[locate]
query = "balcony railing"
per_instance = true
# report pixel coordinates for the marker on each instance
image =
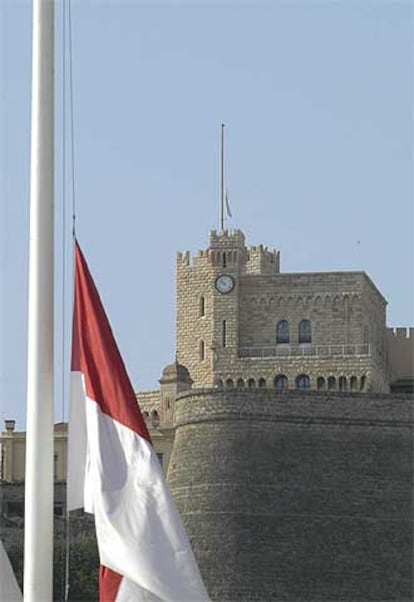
(306, 350)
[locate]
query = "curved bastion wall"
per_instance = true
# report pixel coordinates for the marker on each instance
(297, 496)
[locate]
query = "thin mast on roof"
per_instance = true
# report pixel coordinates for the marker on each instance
(225, 207)
(38, 545)
(222, 178)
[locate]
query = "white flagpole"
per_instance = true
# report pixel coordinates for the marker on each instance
(38, 549)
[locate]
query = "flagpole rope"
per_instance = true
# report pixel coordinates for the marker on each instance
(72, 120)
(68, 49)
(65, 573)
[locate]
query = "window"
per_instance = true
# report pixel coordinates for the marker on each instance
(240, 383)
(282, 332)
(363, 383)
(224, 333)
(262, 383)
(229, 383)
(303, 382)
(58, 509)
(342, 383)
(281, 382)
(155, 419)
(219, 383)
(331, 383)
(320, 383)
(202, 307)
(224, 260)
(251, 383)
(305, 331)
(202, 351)
(353, 383)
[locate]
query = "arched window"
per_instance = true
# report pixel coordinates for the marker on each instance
(224, 260)
(305, 331)
(262, 383)
(224, 333)
(282, 332)
(331, 383)
(202, 351)
(240, 383)
(363, 383)
(303, 382)
(202, 307)
(353, 383)
(229, 383)
(320, 383)
(155, 418)
(342, 383)
(251, 383)
(219, 383)
(281, 382)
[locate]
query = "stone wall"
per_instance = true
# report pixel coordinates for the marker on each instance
(297, 496)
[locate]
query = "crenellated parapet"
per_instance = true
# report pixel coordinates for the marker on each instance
(261, 260)
(400, 352)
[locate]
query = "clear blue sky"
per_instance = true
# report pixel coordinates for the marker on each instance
(317, 98)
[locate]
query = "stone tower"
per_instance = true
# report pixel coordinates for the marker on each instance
(174, 380)
(208, 302)
(243, 323)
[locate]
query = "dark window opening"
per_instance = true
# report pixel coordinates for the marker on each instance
(320, 384)
(363, 383)
(202, 307)
(58, 509)
(155, 418)
(281, 382)
(303, 382)
(282, 332)
(305, 331)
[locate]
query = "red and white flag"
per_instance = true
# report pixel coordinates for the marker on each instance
(114, 471)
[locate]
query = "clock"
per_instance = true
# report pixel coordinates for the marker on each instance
(224, 283)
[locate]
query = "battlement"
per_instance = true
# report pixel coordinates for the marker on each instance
(261, 260)
(227, 238)
(401, 332)
(400, 348)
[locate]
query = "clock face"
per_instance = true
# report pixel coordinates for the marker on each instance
(224, 283)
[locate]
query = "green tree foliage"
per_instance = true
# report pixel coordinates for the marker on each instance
(83, 571)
